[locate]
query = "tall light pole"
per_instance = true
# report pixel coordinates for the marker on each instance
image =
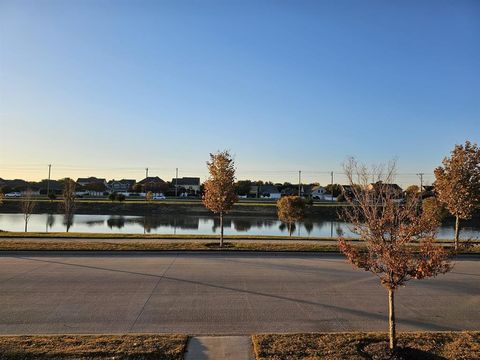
(48, 181)
(420, 175)
(331, 189)
(299, 182)
(176, 181)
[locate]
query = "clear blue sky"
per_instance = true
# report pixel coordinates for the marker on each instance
(109, 87)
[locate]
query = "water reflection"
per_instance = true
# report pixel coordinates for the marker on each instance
(68, 221)
(169, 224)
(50, 222)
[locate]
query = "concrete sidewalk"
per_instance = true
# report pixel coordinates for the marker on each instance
(219, 348)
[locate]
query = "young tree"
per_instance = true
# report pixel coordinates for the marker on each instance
(399, 243)
(149, 196)
(412, 190)
(433, 208)
(242, 187)
(28, 205)
(68, 203)
(334, 189)
(219, 194)
(457, 183)
(290, 209)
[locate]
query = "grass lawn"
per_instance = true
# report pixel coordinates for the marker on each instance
(173, 201)
(178, 245)
(34, 245)
(16, 234)
(83, 347)
(333, 346)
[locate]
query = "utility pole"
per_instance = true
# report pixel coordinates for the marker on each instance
(48, 181)
(331, 189)
(299, 182)
(421, 180)
(176, 181)
(146, 172)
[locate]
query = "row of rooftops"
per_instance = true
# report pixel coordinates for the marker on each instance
(190, 181)
(123, 184)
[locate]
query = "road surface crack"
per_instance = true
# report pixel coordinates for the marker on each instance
(151, 293)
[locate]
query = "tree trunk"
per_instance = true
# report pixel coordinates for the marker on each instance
(457, 231)
(26, 224)
(289, 229)
(221, 229)
(391, 319)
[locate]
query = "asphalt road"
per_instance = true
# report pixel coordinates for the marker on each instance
(221, 294)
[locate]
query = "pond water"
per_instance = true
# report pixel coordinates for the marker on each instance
(207, 225)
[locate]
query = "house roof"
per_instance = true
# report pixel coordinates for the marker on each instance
(91, 179)
(393, 187)
(268, 189)
(151, 179)
(185, 181)
(123, 181)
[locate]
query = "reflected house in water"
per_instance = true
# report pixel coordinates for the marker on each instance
(116, 221)
(243, 224)
(192, 224)
(150, 223)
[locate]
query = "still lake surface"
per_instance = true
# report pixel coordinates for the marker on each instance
(207, 225)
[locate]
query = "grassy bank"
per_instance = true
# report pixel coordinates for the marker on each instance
(324, 211)
(73, 235)
(173, 201)
(126, 236)
(174, 245)
(83, 347)
(333, 346)
(37, 245)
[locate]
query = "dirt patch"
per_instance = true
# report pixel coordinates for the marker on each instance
(82, 347)
(371, 346)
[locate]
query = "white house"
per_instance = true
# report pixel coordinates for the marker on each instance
(320, 193)
(269, 192)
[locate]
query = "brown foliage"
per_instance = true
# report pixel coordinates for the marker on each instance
(219, 194)
(432, 207)
(149, 196)
(219, 190)
(290, 209)
(400, 242)
(390, 229)
(412, 190)
(457, 182)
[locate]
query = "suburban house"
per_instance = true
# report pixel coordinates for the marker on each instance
(318, 192)
(91, 180)
(391, 188)
(265, 191)
(16, 185)
(306, 190)
(153, 184)
(290, 191)
(120, 186)
(190, 184)
(55, 187)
